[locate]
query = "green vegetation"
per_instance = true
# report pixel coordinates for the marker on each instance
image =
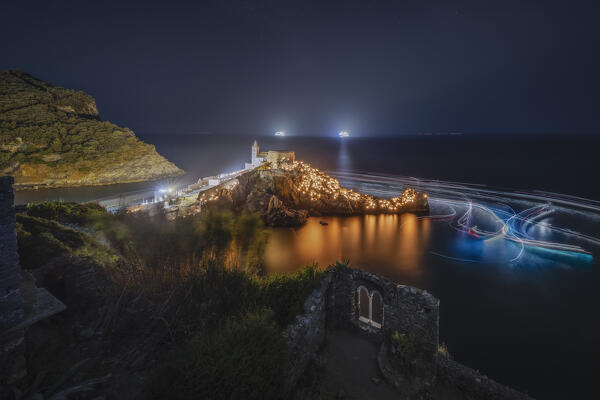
(51, 131)
(411, 354)
(40, 240)
(285, 293)
(241, 359)
(73, 213)
(197, 283)
(409, 345)
(236, 349)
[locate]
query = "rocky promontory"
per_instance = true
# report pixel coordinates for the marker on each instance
(54, 137)
(289, 194)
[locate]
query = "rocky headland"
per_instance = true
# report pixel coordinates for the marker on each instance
(289, 194)
(54, 137)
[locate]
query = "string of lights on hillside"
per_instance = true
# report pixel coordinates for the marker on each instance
(317, 185)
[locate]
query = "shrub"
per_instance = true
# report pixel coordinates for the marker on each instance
(443, 351)
(285, 293)
(40, 240)
(241, 359)
(75, 213)
(250, 239)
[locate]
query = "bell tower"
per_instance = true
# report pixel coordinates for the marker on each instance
(255, 152)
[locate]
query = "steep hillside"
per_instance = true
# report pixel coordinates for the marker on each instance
(289, 194)
(51, 137)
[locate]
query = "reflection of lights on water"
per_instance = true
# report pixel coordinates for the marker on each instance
(509, 236)
(344, 160)
(370, 241)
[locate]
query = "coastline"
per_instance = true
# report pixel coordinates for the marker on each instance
(67, 185)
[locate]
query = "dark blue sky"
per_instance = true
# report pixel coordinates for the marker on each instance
(371, 67)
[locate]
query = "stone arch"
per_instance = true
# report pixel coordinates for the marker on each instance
(370, 307)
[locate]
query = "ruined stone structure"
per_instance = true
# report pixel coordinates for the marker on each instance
(385, 312)
(21, 302)
(12, 312)
(405, 309)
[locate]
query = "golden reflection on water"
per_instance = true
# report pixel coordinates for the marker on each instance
(389, 244)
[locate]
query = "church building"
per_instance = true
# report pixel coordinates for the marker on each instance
(271, 156)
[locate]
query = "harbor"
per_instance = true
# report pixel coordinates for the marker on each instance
(172, 197)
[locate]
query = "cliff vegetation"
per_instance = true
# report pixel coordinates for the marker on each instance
(51, 136)
(157, 307)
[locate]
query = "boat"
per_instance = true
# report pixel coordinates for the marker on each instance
(343, 134)
(279, 133)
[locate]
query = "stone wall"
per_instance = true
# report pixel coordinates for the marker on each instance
(334, 306)
(473, 384)
(408, 313)
(12, 347)
(305, 336)
(405, 309)
(22, 303)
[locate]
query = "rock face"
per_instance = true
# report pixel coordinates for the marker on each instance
(52, 137)
(289, 194)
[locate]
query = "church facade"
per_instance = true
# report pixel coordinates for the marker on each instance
(271, 156)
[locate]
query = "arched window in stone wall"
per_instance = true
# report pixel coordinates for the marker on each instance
(376, 309)
(370, 307)
(364, 304)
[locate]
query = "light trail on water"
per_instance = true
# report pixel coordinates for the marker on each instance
(522, 221)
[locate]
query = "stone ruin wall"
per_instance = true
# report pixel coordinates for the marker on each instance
(474, 384)
(12, 343)
(305, 336)
(406, 309)
(334, 306)
(22, 303)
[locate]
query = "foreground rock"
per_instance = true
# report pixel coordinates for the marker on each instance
(289, 194)
(52, 137)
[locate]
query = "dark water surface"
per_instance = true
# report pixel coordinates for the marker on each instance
(521, 312)
(560, 163)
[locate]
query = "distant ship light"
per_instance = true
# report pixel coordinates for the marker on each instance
(344, 134)
(279, 133)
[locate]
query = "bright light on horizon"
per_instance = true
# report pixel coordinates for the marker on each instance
(279, 133)
(344, 134)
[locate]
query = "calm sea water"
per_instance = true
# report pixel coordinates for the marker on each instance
(559, 163)
(519, 311)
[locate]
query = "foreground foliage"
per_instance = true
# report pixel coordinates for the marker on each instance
(241, 359)
(40, 240)
(189, 293)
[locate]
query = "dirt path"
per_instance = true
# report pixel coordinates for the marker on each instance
(351, 370)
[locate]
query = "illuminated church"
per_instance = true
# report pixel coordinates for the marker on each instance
(271, 156)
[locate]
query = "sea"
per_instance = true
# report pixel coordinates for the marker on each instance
(511, 246)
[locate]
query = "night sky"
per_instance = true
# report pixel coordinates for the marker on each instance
(314, 68)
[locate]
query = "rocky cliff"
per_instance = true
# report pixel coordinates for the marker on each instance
(289, 194)
(51, 137)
